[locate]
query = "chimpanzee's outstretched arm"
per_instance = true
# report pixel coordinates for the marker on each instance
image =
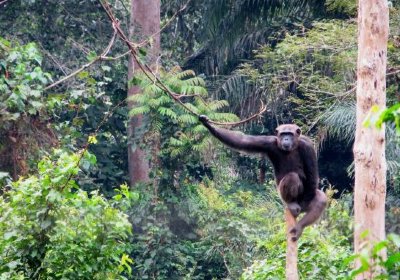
(246, 143)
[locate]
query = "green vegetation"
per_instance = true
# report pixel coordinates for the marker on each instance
(66, 210)
(53, 230)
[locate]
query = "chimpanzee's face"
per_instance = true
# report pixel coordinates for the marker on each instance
(287, 141)
(288, 135)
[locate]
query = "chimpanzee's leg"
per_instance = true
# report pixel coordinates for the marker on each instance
(313, 212)
(290, 189)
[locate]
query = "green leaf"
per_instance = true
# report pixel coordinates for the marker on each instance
(364, 234)
(36, 104)
(10, 234)
(134, 81)
(395, 238)
(45, 224)
(35, 93)
(91, 56)
(83, 74)
(106, 68)
(92, 139)
(379, 246)
(392, 260)
(142, 51)
(4, 175)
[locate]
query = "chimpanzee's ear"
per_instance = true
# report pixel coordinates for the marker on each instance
(276, 132)
(298, 131)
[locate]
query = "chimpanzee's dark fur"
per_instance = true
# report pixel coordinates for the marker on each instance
(295, 166)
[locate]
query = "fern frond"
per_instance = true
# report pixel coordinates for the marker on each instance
(167, 112)
(152, 90)
(186, 73)
(177, 152)
(195, 81)
(199, 129)
(203, 145)
(141, 110)
(226, 117)
(176, 142)
(192, 107)
(174, 82)
(157, 125)
(164, 99)
(139, 98)
(153, 103)
(217, 104)
(187, 118)
(174, 70)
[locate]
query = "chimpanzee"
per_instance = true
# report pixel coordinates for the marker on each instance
(295, 167)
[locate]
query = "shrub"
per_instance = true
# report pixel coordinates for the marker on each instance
(50, 229)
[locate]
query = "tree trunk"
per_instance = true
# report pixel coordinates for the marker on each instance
(145, 21)
(291, 248)
(369, 146)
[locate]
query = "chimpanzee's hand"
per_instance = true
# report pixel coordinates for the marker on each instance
(204, 119)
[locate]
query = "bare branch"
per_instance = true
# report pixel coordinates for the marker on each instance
(100, 57)
(3, 2)
(326, 92)
(149, 73)
(72, 74)
(393, 73)
(116, 57)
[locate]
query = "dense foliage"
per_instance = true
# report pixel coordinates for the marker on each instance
(50, 229)
(24, 108)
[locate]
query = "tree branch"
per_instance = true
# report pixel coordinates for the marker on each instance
(3, 2)
(100, 57)
(149, 73)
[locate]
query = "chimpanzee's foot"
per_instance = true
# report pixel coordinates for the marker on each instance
(294, 209)
(297, 230)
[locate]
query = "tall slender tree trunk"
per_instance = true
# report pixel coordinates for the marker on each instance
(369, 147)
(291, 248)
(145, 22)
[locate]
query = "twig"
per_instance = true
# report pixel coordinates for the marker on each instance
(165, 25)
(3, 2)
(53, 58)
(100, 57)
(186, 95)
(76, 44)
(86, 147)
(148, 72)
(224, 259)
(325, 92)
(116, 57)
(72, 74)
(393, 73)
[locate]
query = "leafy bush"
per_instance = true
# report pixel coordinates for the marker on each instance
(49, 229)
(23, 120)
(318, 259)
(388, 268)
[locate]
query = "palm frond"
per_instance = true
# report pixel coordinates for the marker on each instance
(340, 121)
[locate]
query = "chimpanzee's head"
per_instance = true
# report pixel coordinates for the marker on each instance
(288, 136)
